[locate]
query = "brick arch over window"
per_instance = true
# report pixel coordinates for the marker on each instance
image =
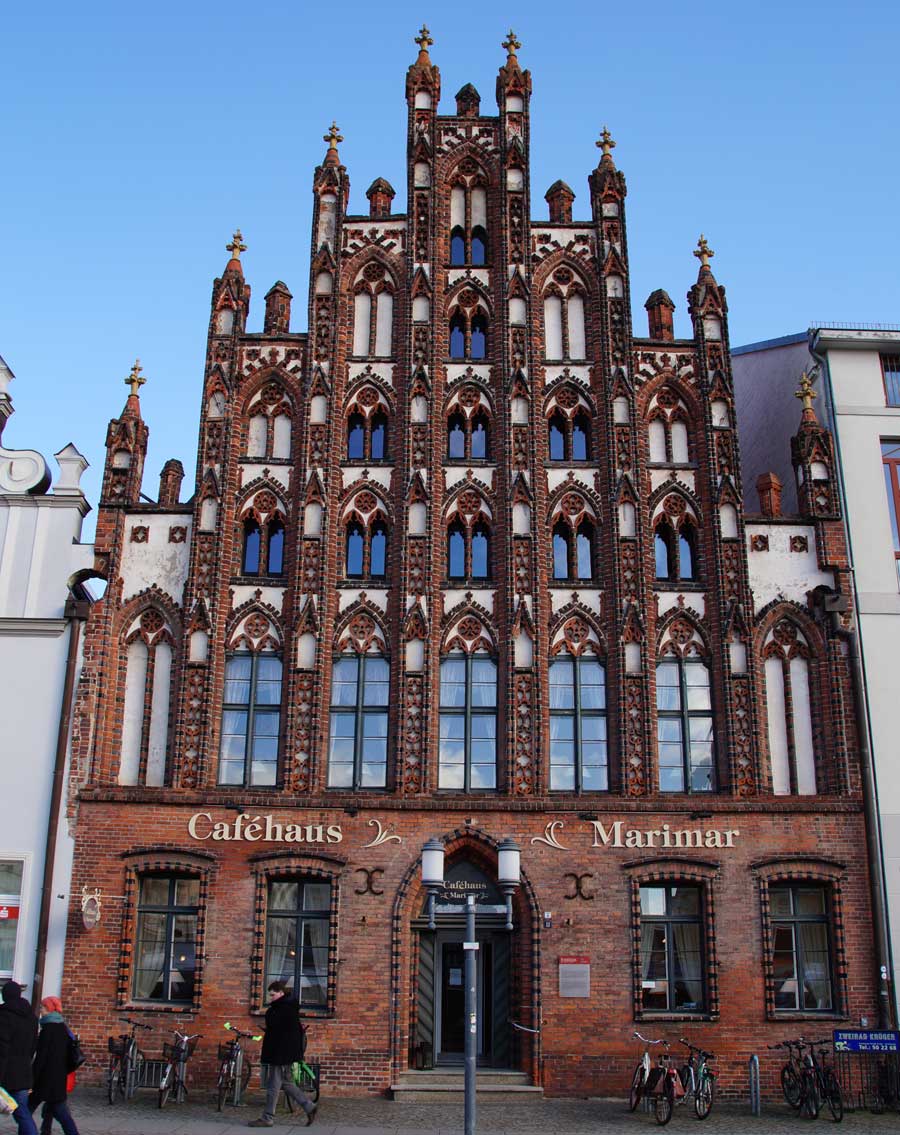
(813, 874)
(408, 921)
(795, 678)
(361, 630)
(577, 633)
(254, 627)
(569, 413)
(467, 206)
(162, 861)
(669, 414)
(267, 418)
(374, 291)
(262, 516)
(469, 416)
(365, 527)
(149, 644)
(468, 525)
(675, 523)
(574, 535)
(367, 415)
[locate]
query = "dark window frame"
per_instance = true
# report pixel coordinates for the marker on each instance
(579, 714)
(299, 916)
(671, 537)
(890, 376)
(793, 921)
(171, 911)
(684, 715)
(669, 921)
(253, 709)
(467, 711)
(359, 711)
(891, 467)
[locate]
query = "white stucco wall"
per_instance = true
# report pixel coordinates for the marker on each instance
(156, 560)
(781, 573)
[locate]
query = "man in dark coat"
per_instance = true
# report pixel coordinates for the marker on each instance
(282, 1046)
(18, 1038)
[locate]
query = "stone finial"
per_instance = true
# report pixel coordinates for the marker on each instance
(424, 41)
(511, 45)
(703, 252)
(333, 136)
(606, 144)
(237, 246)
(806, 394)
(72, 465)
(135, 380)
(768, 486)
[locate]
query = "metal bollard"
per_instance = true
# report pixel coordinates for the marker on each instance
(753, 1069)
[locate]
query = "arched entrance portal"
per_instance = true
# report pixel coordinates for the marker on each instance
(440, 991)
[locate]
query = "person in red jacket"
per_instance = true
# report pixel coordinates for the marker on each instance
(51, 1069)
(282, 1046)
(18, 1037)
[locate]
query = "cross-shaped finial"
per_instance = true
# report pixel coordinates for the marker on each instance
(703, 252)
(333, 136)
(511, 45)
(135, 380)
(237, 245)
(806, 392)
(423, 39)
(606, 143)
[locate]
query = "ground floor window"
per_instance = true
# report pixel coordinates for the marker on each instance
(672, 970)
(801, 951)
(10, 900)
(297, 931)
(165, 947)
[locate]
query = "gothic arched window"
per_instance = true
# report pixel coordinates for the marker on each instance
(456, 550)
(479, 337)
(578, 743)
(557, 430)
(468, 225)
(251, 719)
(275, 550)
(684, 725)
(251, 550)
(468, 439)
(458, 336)
(480, 549)
(355, 549)
(378, 438)
(358, 733)
(456, 437)
(378, 549)
(356, 438)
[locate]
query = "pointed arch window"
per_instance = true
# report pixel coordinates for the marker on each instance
(469, 335)
(685, 739)
(468, 439)
(356, 542)
(367, 436)
(270, 425)
(467, 750)
(263, 546)
(564, 321)
(148, 680)
(456, 550)
(378, 439)
(468, 225)
(365, 549)
(667, 430)
(358, 732)
(251, 720)
(569, 437)
(468, 550)
(789, 705)
(373, 314)
(578, 741)
(356, 438)
(458, 336)
(478, 349)
(480, 548)
(275, 551)
(573, 549)
(252, 545)
(675, 552)
(557, 430)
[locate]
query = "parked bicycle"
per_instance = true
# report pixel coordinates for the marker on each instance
(172, 1082)
(792, 1071)
(125, 1062)
(825, 1085)
(698, 1079)
(235, 1069)
(660, 1082)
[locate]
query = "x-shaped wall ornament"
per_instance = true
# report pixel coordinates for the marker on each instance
(578, 886)
(370, 873)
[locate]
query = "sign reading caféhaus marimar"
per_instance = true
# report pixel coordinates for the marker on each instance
(612, 833)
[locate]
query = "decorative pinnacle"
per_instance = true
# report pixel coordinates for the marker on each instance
(135, 380)
(606, 143)
(511, 45)
(806, 394)
(237, 245)
(333, 137)
(424, 40)
(703, 252)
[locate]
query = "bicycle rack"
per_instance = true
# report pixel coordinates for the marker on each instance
(753, 1069)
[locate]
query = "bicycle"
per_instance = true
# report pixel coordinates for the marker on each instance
(697, 1080)
(172, 1081)
(825, 1082)
(234, 1070)
(791, 1072)
(660, 1081)
(125, 1062)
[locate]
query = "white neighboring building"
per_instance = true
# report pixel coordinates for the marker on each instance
(42, 605)
(859, 384)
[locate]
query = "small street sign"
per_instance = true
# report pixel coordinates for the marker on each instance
(866, 1040)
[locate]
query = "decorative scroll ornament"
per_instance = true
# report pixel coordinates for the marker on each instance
(383, 835)
(549, 836)
(90, 907)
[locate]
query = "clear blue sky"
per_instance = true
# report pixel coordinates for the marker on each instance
(134, 138)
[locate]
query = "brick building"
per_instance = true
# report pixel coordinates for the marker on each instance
(468, 560)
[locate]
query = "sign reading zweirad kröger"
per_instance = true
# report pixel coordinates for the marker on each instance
(610, 833)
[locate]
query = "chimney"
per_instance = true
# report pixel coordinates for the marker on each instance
(278, 309)
(659, 313)
(468, 102)
(381, 194)
(560, 197)
(170, 483)
(768, 485)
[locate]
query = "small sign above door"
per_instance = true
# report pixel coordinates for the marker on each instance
(574, 976)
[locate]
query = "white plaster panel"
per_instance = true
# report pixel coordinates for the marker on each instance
(274, 596)
(279, 473)
(385, 372)
(348, 598)
(483, 276)
(379, 474)
(456, 473)
(558, 233)
(582, 478)
(560, 596)
(664, 477)
(780, 573)
(580, 373)
(669, 599)
(157, 561)
(456, 371)
(455, 598)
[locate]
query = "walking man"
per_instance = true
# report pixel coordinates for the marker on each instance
(282, 1046)
(18, 1039)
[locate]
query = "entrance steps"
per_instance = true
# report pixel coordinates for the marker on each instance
(447, 1085)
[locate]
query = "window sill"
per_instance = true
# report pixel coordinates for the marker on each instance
(353, 462)
(463, 581)
(564, 463)
(587, 581)
(259, 580)
(159, 1007)
(672, 465)
(363, 580)
(678, 585)
(682, 1015)
(262, 460)
(807, 1015)
(474, 461)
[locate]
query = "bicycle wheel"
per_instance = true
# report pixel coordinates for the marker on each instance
(809, 1096)
(637, 1088)
(246, 1073)
(166, 1084)
(703, 1100)
(115, 1085)
(225, 1083)
(665, 1102)
(833, 1096)
(790, 1085)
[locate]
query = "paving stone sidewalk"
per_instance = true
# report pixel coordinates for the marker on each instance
(378, 1116)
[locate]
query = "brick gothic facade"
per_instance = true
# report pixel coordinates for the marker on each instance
(470, 461)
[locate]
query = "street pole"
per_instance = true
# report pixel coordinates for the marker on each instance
(471, 1019)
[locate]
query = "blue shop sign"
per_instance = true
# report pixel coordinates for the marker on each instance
(866, 1040)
